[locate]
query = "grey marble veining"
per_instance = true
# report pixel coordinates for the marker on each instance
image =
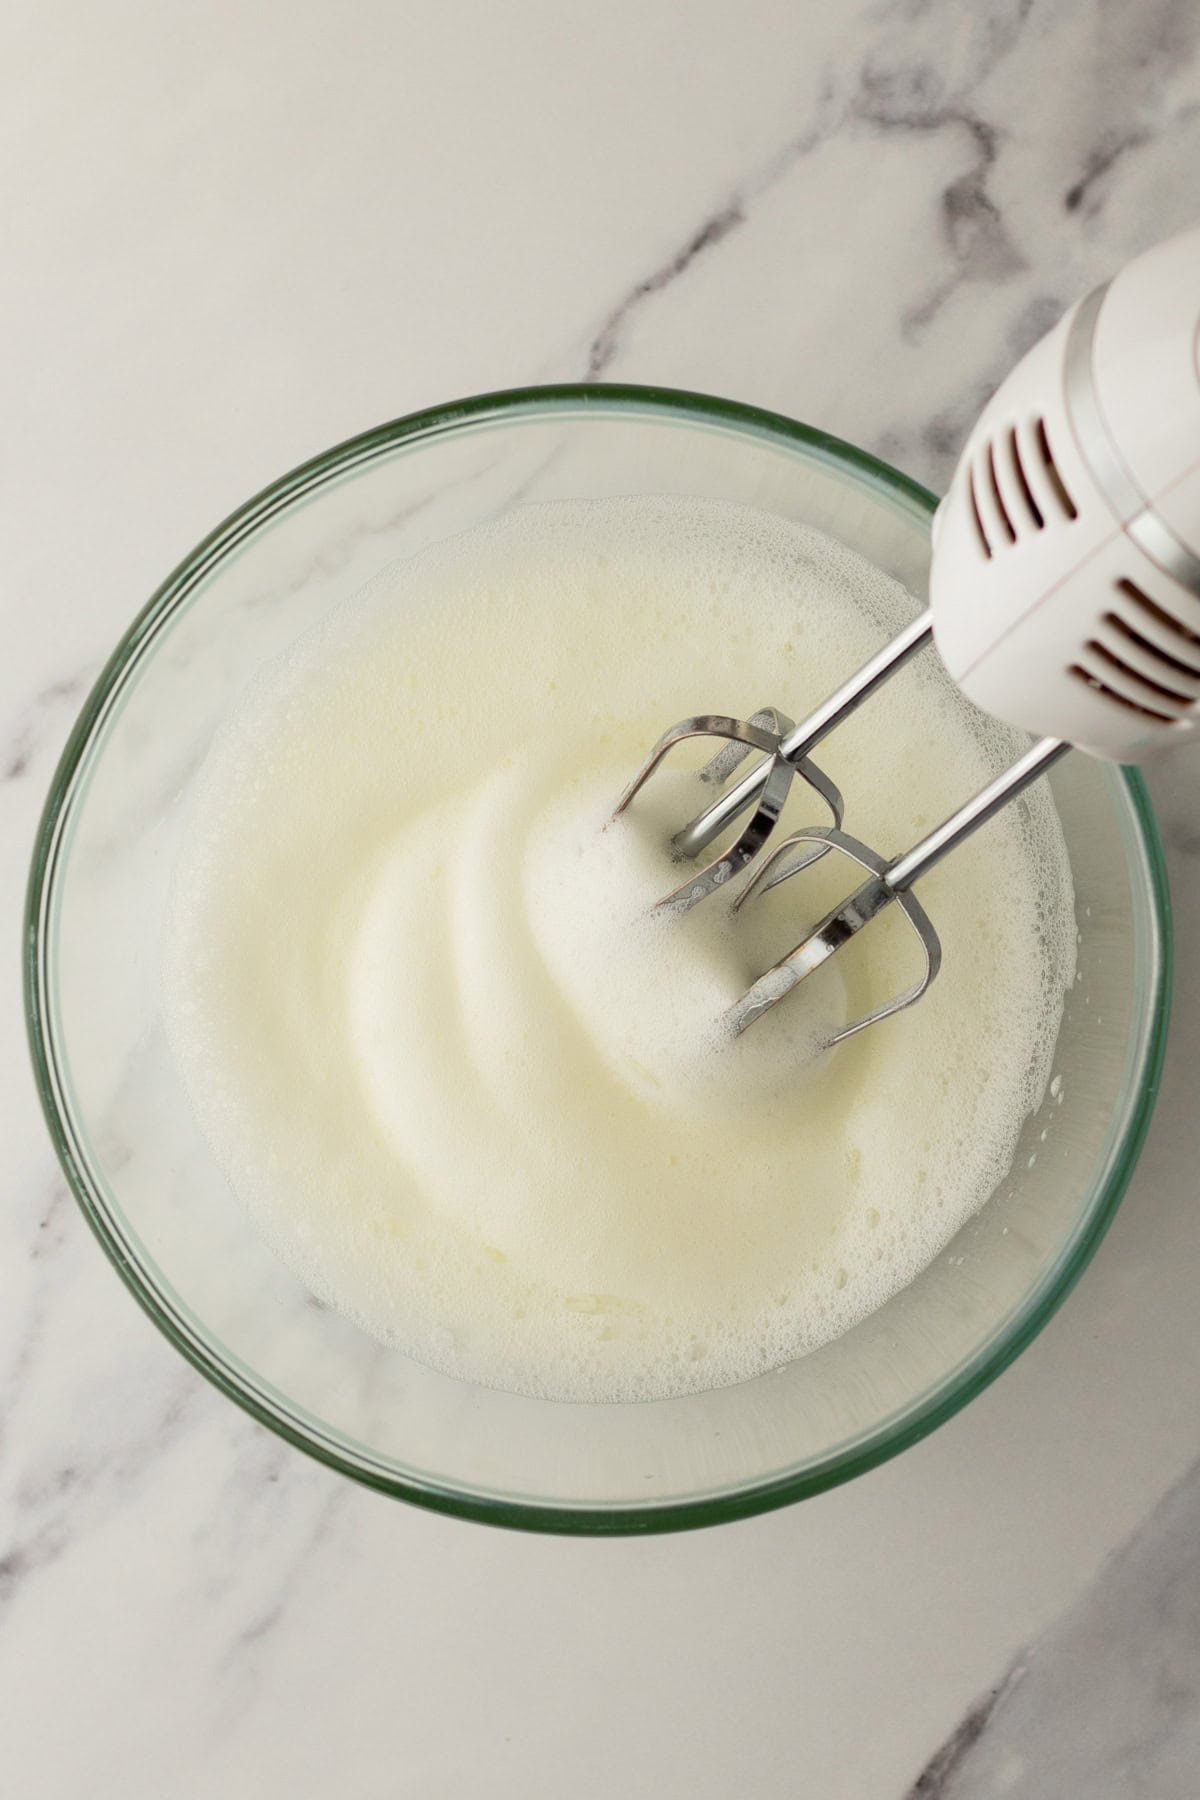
(40, 719)
(1107, 1703)
(232, 240)
(1023, 217)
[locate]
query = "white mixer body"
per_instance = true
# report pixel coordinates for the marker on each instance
(1065, 585)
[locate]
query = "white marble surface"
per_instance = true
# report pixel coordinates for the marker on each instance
(234, 233)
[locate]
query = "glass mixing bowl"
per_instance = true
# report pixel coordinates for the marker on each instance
(143, 1174)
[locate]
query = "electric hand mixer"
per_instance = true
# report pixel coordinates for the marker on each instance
(1064, 599)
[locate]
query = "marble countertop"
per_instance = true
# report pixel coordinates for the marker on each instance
(237, 233)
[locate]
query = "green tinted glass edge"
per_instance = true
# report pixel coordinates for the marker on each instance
(618, 1520)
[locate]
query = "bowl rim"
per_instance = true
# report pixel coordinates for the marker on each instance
(618, 1518)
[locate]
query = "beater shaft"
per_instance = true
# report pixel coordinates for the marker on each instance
(804, 737)
(987, 803)
(888, 882)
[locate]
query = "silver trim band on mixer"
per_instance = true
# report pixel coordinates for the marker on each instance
(1161, 545)
(1098, 448)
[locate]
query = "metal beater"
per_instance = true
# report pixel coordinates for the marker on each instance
(1072, 526)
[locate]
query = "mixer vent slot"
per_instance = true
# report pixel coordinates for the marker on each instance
(1014, 486)
(1169, 636)
(1110, 693)
(1024, 485)
(1142, 657)
(997, 492)
(1176, 680)
(976, 516)
(1058, 486)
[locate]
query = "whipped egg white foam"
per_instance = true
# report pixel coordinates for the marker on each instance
(470, 1087)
